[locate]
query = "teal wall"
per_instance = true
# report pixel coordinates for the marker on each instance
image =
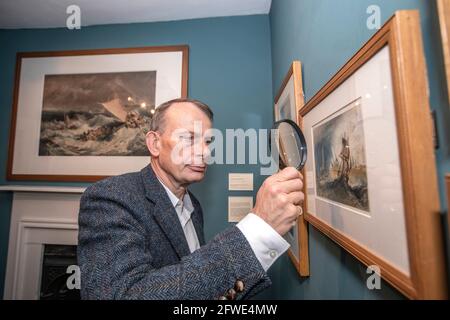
(229, 69)
(324, 34)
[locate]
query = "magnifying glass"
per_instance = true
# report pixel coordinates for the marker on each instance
(290, 143)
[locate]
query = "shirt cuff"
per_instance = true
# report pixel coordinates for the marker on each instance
(266, 243)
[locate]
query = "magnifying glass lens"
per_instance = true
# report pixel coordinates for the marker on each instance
(291, 144)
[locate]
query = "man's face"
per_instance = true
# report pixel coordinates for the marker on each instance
(184, 143)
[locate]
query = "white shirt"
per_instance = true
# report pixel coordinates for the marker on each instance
(266, 243)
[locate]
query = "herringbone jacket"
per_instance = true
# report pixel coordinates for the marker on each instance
(131, 246)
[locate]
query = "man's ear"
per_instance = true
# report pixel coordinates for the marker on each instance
(153, 141)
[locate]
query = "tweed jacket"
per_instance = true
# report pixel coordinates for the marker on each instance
(131, 246)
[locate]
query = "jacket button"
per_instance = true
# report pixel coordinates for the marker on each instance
(223, 298)
(239, 286)
(231, 294)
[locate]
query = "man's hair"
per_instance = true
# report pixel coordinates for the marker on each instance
(158, 120)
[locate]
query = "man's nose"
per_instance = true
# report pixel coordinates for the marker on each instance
(206, 152)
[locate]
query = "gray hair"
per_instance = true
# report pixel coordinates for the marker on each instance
(158, 120)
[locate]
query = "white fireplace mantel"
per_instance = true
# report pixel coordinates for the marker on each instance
(39, 215)
(47, 189)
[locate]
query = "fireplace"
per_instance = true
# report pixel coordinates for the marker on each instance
(42, 242)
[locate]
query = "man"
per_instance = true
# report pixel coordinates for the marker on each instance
(141, 234)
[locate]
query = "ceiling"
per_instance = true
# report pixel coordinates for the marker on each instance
(52, 13)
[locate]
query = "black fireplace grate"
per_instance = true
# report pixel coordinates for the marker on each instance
(56, 260)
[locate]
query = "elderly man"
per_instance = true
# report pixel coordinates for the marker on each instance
(141, 234)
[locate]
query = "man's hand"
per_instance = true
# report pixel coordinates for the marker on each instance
(279, 198)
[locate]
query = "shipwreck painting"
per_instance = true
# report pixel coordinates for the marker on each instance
(96, 114)
(340, 158)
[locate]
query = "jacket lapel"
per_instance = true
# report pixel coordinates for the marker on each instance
(164, 212)
(197, 220)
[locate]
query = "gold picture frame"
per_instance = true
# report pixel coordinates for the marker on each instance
(288, 102)
(443, 7)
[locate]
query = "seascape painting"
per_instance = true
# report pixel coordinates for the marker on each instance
(96, 114)
(340, 158)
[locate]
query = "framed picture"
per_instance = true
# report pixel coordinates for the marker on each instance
(288, 102)
(444, 21)
(371, 181)
(82, 115)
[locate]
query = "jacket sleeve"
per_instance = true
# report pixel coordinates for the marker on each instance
(115, 264)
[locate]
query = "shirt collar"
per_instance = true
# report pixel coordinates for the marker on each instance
(186, 202)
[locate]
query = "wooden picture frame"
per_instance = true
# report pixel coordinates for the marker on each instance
(443, 7)
(112, 88)
(447, 185)
(288, 102)
(396, 47)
